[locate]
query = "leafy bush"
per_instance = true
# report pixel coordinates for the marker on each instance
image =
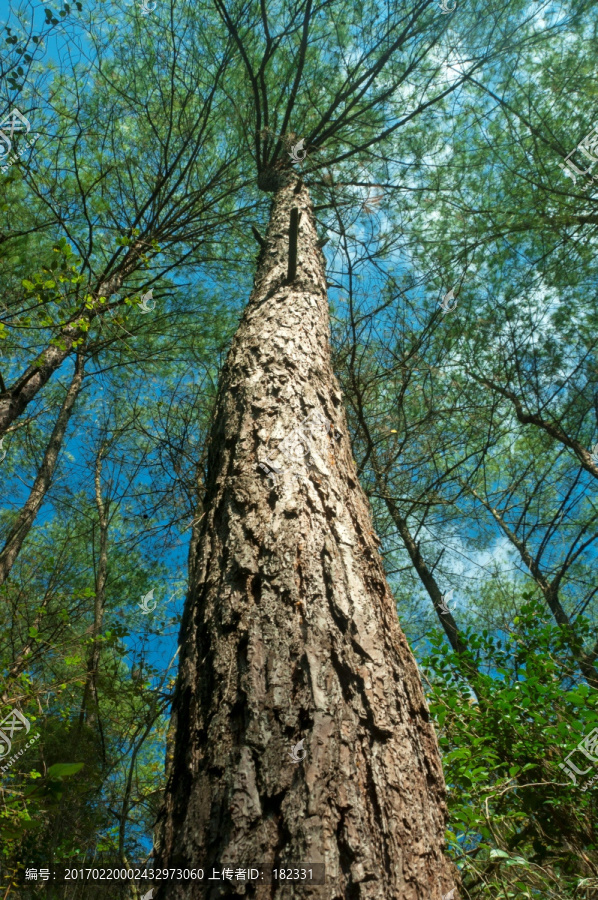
(506, 717)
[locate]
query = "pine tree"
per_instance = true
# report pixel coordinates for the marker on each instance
(290, 634)
(300, 732)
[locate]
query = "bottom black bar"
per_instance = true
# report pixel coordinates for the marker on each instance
(283, 873)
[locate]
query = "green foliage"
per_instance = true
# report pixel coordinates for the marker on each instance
(517, 823)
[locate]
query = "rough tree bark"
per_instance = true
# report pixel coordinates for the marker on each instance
(290, 633)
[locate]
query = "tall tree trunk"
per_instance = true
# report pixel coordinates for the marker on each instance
(21, 527)
(290, 633)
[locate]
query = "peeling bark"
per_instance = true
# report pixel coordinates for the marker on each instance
(290, 632)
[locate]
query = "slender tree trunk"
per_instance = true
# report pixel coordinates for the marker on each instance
(15, 399)
(554, 429)
(290, 633)
(93, 660)
(550, 591)
(427, 579)
(26, 517)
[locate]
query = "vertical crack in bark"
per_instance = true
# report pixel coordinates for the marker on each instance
(290, 632)
(293, 235)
